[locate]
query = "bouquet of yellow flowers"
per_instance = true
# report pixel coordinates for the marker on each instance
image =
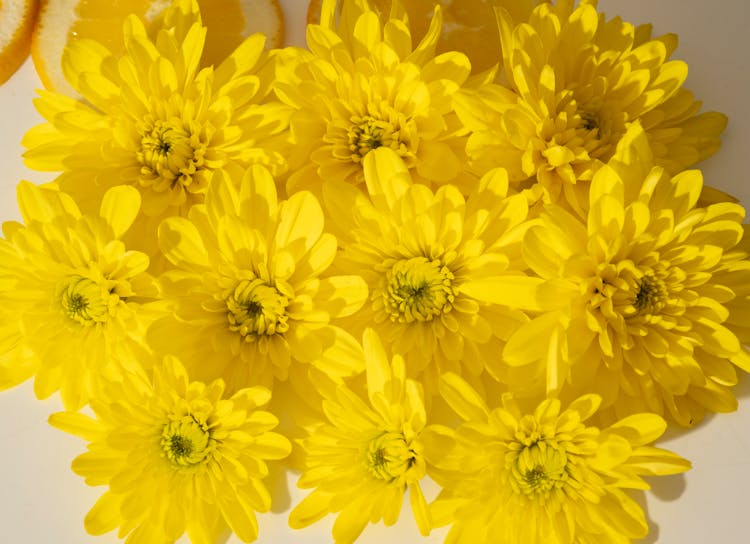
(373, 262)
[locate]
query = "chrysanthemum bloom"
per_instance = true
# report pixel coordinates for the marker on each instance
(154, 120)
(362, 86)
(574, 82)
(417, 251)
(546, 477)
(647, 300)
(73, 290)
(363, 459)
(176, 456)
(250, 290)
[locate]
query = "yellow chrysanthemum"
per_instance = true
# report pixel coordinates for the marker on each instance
(250, 292)
(176, 456)
(363, 459)
(419, 251)
(154, 120)
(545, 477)
(362, 86)
(574, 82)
(71, 291)
(647, 301)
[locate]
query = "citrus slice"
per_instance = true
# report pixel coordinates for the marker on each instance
(469, 26)
(61, 21)
(16, 24)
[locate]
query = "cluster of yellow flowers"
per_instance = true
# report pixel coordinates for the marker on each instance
(370, 263)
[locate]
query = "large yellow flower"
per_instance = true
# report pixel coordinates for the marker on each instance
(152, 119)
(574, 82)
(418, 251)
(250, 292)
(71, 292)
(364, 458)
(647, 301)
(362, 86)
(176, 457)
(544, 477)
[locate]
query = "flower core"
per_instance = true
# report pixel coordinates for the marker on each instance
(256, 308)
(170, 154)
(186, 442)
(538, 469)
(368, 133)
(538, 463)
(418, 289)
(651, 294)
(85, 301)
(389, 456)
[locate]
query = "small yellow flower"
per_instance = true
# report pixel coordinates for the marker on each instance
(418, 251)
(176, 457)
(362, 86)
(155, 119)
(363, 459)
(645, 301)
(251, 293)
(575, 82)
(72, 291)
(545, 477)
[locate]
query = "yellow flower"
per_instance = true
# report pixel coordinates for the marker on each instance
(575, 82)
(250, 292)
(71, 292)
(362, 86)
(363, 459)
(418, 251)
(646, 300)
(545, 477)
(176, 457)
(153, 119)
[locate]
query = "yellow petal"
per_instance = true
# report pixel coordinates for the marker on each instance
(386, 176)
(301, 223)
(462, 398)
(104, 516)
(181, 243)
(351, 521)
(419, 507)
(77, 424)
(311, 509)
(119, 208)
(377, 363)
(513, 291)
(242, 520)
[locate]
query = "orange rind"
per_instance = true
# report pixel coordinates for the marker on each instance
(16, 25)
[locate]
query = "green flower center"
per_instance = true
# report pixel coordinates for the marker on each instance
(170, 154)
(256, 308)
(186, 441)
(589, 121)
(389, 456)
(538, 469)
(418, 289)
(368, 133)
(651, 295)
(86, 301)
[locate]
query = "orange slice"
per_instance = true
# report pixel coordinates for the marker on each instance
(61, 21)
(16, 24)
(469, 26)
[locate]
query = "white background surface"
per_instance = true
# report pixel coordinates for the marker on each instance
(43, 502)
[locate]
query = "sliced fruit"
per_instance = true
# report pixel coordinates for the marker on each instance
(60, 21)
(231, 21)
(16, 24)
(468, 26)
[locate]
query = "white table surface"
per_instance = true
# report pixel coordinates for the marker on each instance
(43, 502)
